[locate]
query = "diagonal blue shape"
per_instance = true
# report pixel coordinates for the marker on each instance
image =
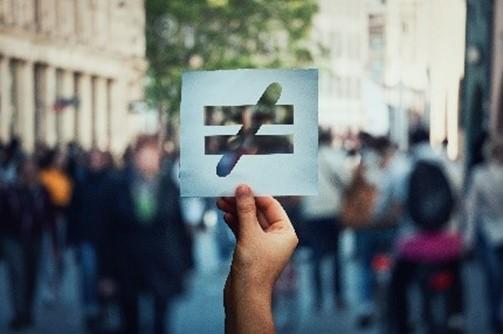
(241, 142)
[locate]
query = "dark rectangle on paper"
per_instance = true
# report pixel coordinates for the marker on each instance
(259, 145)
(241, 115)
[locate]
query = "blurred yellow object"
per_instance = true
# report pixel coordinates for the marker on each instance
(58, 184)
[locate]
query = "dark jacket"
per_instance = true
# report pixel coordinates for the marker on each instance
(156, 255)
(86, 211)
(26, 212)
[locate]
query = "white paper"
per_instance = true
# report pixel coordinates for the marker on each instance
(270, 174)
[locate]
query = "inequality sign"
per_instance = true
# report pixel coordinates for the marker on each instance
(258, 127)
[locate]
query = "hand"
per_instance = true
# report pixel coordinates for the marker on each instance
(265, 236)
(266, 240)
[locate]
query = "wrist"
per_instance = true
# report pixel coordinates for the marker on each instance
(251, 281)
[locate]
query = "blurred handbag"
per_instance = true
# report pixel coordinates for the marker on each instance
(358, 202)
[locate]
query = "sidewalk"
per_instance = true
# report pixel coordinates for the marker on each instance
(200, 310)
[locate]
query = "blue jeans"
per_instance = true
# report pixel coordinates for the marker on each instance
(88, 277)
(492, 260)
(368, 243)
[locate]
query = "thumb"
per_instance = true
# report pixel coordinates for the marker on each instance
(246, 209)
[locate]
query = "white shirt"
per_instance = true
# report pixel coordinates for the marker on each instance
(333, 176)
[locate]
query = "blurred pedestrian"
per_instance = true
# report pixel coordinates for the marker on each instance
(484, 210)
(148, 237)
(12, 157)
(27, 212)
(321, 221)
(428, 250)
(55, 179)
(88, 232)
(379, 206)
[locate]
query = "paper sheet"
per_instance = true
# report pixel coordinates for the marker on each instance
(231, 96)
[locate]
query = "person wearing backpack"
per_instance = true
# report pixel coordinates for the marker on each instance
(371, 208)
(426, 239)
(484, 212)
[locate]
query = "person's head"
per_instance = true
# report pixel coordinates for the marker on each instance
(28, 171)
(96, 160)
(419, 135)
(13, 149)
(53, 158)
(365, 140)
(494, 149)
(147, 156)
(385, 149)
(60, 160)
(324, 137)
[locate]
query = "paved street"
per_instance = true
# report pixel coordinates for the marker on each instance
(201, 311)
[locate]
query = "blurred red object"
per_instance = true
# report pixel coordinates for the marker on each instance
(441, 281)
(381, 263)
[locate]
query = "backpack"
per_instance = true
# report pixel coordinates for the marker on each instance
(358, 202)
(430, 200)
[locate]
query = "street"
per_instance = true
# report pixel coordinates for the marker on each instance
(200, 310)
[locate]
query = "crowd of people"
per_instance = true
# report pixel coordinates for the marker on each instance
(123, 223)
(132, 234)
(418, 209)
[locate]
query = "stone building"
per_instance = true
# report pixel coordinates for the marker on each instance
(341, 27)
(69, 69)
(417, 55)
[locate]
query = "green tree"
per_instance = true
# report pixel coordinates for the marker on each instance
(221, 34)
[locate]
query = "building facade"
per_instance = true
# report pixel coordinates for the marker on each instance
(341, 28)
(69, 69)
(417, 56)
(390, 62)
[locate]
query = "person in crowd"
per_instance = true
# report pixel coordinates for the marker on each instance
(3, 158)
(55, 179)
(26, 212)
(427, 236)
(420, 150)
(266, 240)
(484, 210)
(321, 221)
(88, 231)
(13, 155)
(380, 165)
(147, 234)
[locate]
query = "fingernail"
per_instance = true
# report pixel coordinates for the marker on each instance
(243, 190)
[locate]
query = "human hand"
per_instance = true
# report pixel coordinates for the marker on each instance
(266, 240)
(265, 237)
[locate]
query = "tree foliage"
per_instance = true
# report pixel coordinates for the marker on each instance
(221, 34)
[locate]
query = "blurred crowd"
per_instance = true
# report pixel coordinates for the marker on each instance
(122, 221)
(414, 216)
